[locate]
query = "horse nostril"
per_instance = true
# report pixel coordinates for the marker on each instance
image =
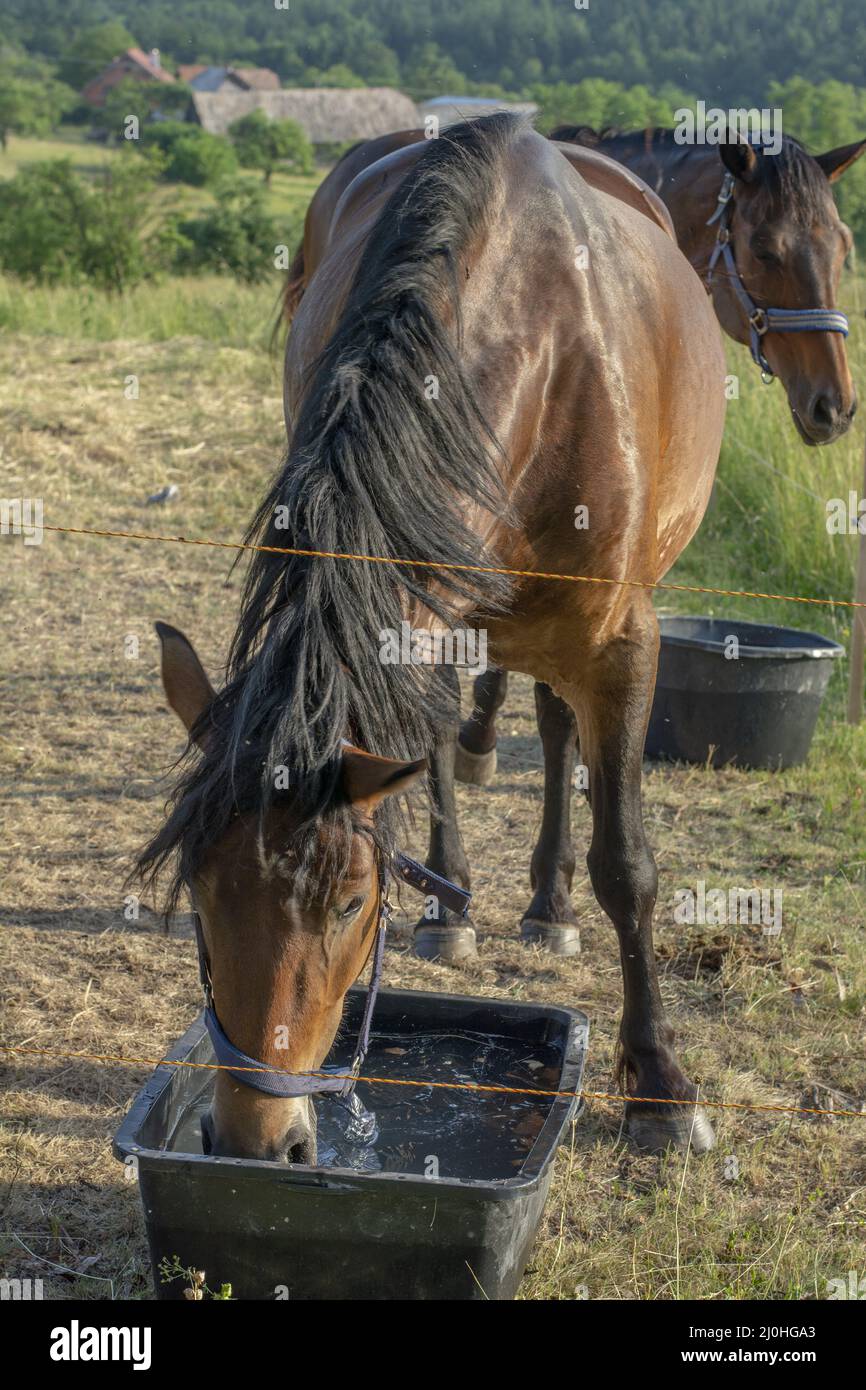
(301, 1148)
(825, 412)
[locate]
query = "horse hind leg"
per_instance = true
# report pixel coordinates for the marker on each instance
(613, 704)
(475, 755)
(550, 920)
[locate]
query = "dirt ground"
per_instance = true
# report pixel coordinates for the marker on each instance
(85, 745)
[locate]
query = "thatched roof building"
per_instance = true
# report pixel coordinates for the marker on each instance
(329, 115)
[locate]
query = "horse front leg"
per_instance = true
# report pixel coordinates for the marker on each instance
(440, 934)
(475, 758)
(550, 920)
(613, 704)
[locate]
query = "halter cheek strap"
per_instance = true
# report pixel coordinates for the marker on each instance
(334, 1081)
(286, 1084)
(762, 321)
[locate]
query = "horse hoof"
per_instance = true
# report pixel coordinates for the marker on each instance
(559, 938)
(449, 945)
(476, 769)
(671, 1127)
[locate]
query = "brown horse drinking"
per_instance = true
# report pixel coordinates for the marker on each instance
(489, 341)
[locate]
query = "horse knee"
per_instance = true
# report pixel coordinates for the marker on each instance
(626, 885)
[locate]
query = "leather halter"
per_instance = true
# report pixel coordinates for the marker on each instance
(335, 1081)
(762, 321)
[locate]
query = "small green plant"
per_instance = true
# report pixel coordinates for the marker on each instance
(197, 1288)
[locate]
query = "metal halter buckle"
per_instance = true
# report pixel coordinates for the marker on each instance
(758, 321)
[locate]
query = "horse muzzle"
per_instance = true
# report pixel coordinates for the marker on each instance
(824, 417)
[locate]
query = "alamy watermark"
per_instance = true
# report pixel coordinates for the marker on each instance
(22, 516)
(408, 646)
(714, 126)
(20, 1290)
(714, 907)
(846, 518)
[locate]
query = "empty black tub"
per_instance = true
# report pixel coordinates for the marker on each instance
(758, 710)
(339, 1232)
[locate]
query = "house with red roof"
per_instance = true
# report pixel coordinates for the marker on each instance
(134, 63)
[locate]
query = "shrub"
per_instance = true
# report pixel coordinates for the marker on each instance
(237, 237)
(191, 154)
(55, 227)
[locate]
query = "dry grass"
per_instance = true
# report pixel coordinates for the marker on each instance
(85, 738)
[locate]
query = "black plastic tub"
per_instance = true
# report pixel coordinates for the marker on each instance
(758, 710)
(278, 1232)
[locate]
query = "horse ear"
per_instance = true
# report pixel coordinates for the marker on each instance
(835, 162)
(367, 779)
(739, 159)
(187, 688)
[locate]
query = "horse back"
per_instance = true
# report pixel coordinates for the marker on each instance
(606, 175)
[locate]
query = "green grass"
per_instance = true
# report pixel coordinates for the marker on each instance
(86, 156)
(212, 307)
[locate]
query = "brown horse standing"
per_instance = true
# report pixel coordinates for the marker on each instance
(788, 246)
(460, 263)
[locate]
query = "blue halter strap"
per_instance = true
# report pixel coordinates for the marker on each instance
(762, 321)
(334, 1081)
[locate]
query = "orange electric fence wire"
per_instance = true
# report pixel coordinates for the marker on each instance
(438, 1085)
(441, 565)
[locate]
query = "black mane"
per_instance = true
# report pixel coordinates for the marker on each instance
(374, 467)
(791, 180)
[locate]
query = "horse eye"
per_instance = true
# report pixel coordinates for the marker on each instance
(351, 909)
(765, 255)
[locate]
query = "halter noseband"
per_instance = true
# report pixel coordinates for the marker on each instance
(762, 321)
(337, 1081)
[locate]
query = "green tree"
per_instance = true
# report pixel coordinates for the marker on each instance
(29, 105)
(599, 103)
(264, 144)
(191, 155)
(56, 226)
(91, 50)
(338, 75)
(132, 97)
(429, 72)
